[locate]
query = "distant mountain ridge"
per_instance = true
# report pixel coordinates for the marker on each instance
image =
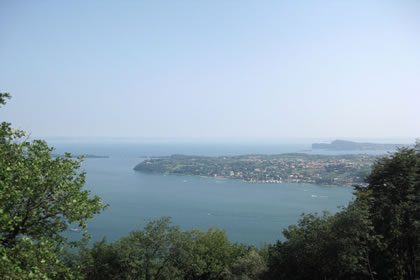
(344, 145)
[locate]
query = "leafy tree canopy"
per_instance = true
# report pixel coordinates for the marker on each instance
(393, 196)
(163, 251)
(376, 237)
(40, 197)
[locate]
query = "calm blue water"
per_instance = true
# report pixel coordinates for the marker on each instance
(248, 212)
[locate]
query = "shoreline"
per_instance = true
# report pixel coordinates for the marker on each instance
(250, 182)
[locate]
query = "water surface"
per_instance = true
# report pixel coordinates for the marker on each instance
(252, 213)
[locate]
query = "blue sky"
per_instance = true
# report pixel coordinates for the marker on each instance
(212, 69)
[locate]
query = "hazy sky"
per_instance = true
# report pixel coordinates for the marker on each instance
(216, 68)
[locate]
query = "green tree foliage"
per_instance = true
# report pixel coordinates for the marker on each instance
(147, 254)
(394, 205)
(248, 267)
(101, 261)
(209, 255)
(324, 247)
(376, 237)
(40, 197)
(162, 251)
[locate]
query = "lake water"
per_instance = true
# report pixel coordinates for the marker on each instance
(250, 213)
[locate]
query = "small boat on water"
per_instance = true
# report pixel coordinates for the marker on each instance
(74, 229)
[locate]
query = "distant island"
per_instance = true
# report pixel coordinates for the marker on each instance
(86, 156)
(343, 145)
(294, 168)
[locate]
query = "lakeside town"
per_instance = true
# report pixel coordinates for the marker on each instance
(345, 170)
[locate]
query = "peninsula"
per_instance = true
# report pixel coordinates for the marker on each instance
(343, 145)
(295, 168)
